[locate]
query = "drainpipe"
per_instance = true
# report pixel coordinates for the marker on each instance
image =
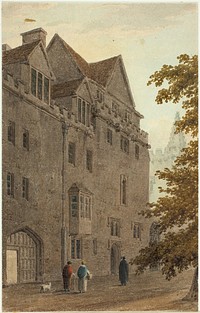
(63, 217)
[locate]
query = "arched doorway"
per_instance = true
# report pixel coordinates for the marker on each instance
(23, 257)
(114, 258)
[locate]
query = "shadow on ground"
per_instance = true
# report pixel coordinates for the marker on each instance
(147, 292)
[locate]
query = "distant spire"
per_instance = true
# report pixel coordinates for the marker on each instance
(177, 117)
(176, 141)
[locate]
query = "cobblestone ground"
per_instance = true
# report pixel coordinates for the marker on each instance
(147, 292)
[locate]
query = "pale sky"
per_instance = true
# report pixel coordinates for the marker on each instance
(147, 35)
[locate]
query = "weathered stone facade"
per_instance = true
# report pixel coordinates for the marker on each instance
(75, 162)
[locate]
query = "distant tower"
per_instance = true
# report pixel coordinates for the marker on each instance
(161, 160)
(175, 144)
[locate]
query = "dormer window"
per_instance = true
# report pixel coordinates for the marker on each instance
(33, 81)
(40, 85)
(84, 112)
(46, 90)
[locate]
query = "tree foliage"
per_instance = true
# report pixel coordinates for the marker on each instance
(176, 210)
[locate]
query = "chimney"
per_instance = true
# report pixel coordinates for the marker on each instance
(5, 47)
(34, 35)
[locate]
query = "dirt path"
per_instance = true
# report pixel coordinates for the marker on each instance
(147, 292)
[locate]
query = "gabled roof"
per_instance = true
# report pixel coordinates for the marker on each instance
(102, 70)
(65, 89)
(19, 54)
(98, 71)
(80, 62)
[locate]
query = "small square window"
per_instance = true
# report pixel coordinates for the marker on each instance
(123, 189)
(11, 132)
(115, 227)
(10, 184)
(25, 188)
(137, 152)
(76, 249)
(124, 144)
(73, 249)
(89, 160)
(109, 136)
(26, 139)
(137, 231)
(71, 153)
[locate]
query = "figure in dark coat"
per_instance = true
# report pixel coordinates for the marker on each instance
(123, 271)
(67, 274)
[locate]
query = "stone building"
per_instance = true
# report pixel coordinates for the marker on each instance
(75, 162)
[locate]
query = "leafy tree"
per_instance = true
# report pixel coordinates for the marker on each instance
(176, 211)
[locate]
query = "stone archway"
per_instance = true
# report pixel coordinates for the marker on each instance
(114, 258)
(23, 257)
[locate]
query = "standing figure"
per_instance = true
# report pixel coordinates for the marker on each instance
(123, 271)
(67, 274)
(82, 274)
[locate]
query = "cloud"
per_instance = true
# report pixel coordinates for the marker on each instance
(136, 18)
(17, 8)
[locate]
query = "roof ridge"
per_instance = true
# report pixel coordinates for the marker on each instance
(19, 53)
(108, 59)
(81, 63)
(69, 81)
(24, 45)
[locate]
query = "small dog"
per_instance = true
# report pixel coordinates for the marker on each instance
(45, 287)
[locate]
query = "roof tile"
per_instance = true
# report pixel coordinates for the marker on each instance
(19, 54)
(65, 89)
(98, 71)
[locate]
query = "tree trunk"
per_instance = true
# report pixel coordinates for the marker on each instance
(193, 293)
